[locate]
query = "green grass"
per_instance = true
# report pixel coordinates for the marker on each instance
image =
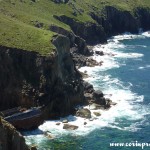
(18, 18)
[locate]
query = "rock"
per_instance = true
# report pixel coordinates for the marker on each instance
(85, 123)
(48, 135)
(88, 96)
(101, 53)
(97, 94)
(65, 121)
(91, 119)
(94, 106)
(70, 127)
(88, 87)
(10, 138)
(58, 123)
(97, 113)
(33, 147)
(84, 113)
(101, 101)
(113, 103)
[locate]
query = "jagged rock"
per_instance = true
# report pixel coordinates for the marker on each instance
(53, 74)
(97, 94)
(100, 101)
(10, 138)
(88, 96)
(70, 127)
(101, 53)
(97, 113)
(84, 113)
(88, 87)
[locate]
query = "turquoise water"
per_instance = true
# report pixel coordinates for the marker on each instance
(124, 78)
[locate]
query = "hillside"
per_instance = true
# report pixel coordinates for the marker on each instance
(25, 24)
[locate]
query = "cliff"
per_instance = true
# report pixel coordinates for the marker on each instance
(36, 65)
(29, 79)
(11, 139)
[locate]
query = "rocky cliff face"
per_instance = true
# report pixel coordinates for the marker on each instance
(10, 139)
(110, 21)
(28, 79)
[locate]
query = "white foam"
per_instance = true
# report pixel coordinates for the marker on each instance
(145, 67)
(146, 34)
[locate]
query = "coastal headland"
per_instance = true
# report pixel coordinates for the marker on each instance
(42, 45)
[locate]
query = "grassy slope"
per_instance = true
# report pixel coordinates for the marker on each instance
(17, 19)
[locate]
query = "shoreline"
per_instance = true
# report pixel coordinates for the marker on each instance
(70, 121)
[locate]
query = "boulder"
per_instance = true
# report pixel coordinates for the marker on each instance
(101, 53)
(70, 127)
(97, 94)
(85, 123)
(101, 101)
(88, 96)
(97, 113)
(84, 113)
(88, 87)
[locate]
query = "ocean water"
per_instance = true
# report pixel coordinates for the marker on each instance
(124, 77)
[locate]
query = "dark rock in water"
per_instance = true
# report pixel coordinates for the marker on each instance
(97, 94)
(101, 53)
(84, 113)
(97, 113)
(85, 123)
(113, 103)
(101, 101)
(58, 123)
(70, 127)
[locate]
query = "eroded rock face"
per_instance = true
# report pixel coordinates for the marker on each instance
(91, 32)
(11, 139)
(29, 79)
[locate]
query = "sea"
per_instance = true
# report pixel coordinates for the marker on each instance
(124, 77)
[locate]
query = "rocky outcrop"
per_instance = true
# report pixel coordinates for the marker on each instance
(70, 127)
(115, 21)
(29, 79)
(84, 113)
(11, 139)
(91, 32)
(110, 21)
(143, 15)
